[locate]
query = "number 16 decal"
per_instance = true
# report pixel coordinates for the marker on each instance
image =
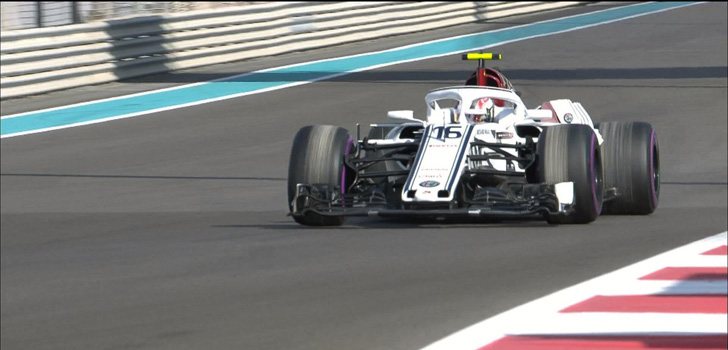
(447, 132)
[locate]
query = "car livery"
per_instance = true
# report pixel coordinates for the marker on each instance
(478, 152)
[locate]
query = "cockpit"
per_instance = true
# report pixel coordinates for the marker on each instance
(471, 104)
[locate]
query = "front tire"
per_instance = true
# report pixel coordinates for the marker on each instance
(571, 153)
(632, 166)
(317, 157)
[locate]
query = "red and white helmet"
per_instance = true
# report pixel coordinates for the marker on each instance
(486, 104)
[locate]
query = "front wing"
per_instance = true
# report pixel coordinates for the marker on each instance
(525, 201)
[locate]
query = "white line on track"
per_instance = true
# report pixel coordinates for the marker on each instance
(665, 287)
(619, 323)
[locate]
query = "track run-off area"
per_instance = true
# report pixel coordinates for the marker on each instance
(169, 230)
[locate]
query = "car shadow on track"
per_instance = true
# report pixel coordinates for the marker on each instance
(396, 224)
(143, 177)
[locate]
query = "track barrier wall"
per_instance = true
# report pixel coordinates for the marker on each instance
(41, 60)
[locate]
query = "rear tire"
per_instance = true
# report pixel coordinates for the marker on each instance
(571, 153)
(632, 165)
(317, 157)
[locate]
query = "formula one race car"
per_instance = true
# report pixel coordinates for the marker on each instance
(479, 152)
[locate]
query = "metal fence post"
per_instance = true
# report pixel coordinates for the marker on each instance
(38, 14)
(75, 18)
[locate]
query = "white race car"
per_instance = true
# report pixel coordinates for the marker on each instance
(479, 152)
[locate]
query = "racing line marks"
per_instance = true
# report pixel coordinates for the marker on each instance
(675, 300)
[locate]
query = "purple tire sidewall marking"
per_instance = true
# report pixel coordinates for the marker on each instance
(347, 149)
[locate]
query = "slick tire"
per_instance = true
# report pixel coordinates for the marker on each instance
(571, 153)
(631, 158)
(317, 157)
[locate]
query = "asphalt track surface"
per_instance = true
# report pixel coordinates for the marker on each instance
(169, 231)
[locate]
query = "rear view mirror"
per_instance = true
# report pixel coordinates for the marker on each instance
(539, 114)
(399, 117)
(401, 114)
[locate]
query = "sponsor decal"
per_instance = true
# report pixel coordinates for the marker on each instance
(504, 135)
(429, 184)
(435, 169)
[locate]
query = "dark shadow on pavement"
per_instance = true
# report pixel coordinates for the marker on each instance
(399, 224)
(439, 76)
(689, 183)
(154, 177)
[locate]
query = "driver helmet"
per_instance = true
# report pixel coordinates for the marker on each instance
(486, 104)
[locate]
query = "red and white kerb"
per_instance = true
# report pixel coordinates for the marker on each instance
(676, 300)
